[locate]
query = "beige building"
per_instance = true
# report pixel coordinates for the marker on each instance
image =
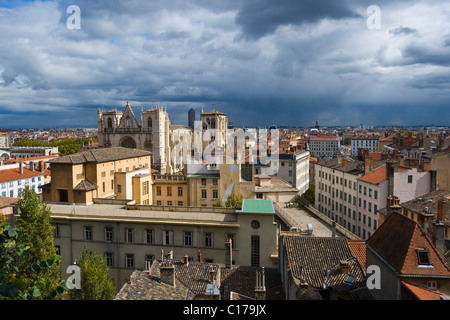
(102, 173)
(132, 236)
(170, 190)
(441, 163)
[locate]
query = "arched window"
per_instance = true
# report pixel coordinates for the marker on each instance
(128, 122)
(109, 123)
(213, 123)
(149, 122)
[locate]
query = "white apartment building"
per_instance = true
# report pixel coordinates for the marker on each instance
(294, 169)
(324, 146)
(12, 181)
(369, 142)
(352, 192)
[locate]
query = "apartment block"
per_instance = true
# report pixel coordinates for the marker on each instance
(367, 142)
(12, 181)
(324, 146)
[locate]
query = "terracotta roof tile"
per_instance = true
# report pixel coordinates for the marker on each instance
(397, 239)
(422, 293)
(14, 174)
(358, 248)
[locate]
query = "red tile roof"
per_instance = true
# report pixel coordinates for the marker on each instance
(397, 239)
(358, 248)
(14, 174)
(422, 293)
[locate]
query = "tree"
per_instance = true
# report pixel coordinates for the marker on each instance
(234, 201)
(96, 283)
(309, 194)
(34, 229)
(12, 286)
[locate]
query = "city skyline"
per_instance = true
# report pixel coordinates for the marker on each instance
(286, 62)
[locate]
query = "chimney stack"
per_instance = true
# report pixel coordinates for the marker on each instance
(433, 180)
(199, 256)
(344, 266)
(167, 273)
(21, 167)
(260, 287)
(442, 210)
(186, 260)
(368, 164)
(228, 253)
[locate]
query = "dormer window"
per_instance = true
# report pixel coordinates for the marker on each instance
(423, 257)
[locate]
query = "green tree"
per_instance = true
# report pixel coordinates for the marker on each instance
(96, 283)
(309, 194)
(34, 228)
(12, 286)
(234, 201)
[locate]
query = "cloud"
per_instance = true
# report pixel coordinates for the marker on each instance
(258, 18)
(300, 61)
(403, 31)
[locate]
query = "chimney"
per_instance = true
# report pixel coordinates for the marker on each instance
(442, 210)
(21, 167)
(42, 165)
(439, 236)
(32, 166)
(199, 256)
(344, 265)
(368, 164)
(339, 158)
(344, 162)
(186, 260)
(426, 166)
(391, 168)
(211, 276)
(400, 159)
(167, 273)
(228, 253)
(260, 287)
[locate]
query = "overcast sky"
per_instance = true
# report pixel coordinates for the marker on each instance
(290, 62)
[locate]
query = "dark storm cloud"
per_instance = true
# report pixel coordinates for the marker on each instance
(261, 17)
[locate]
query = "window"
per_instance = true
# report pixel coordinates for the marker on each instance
(103, 187)
(149, 122)
(203, 182)
(169, 203)
(187, 238)
(129, 260)
(208, 239)
(410, 179)
(158, 203)
(215, 182)
(167, 237)
(145, 188)
(423, 257)
(149, 236)
(158, 191)
(375, 194)
(180, 203)
(169, 191)
(254, 251)
(88, 233)
(259, 196)
(129, 235)
(119, 188)
(180, 191)
(108, 234)
(128, 122)
(432, 285)
(203, 194)
(109, 258)
(215, 194)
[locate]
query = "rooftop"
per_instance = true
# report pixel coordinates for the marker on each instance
(397, 241)
(101, 155)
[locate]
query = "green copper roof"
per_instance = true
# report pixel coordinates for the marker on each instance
(257, 206)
